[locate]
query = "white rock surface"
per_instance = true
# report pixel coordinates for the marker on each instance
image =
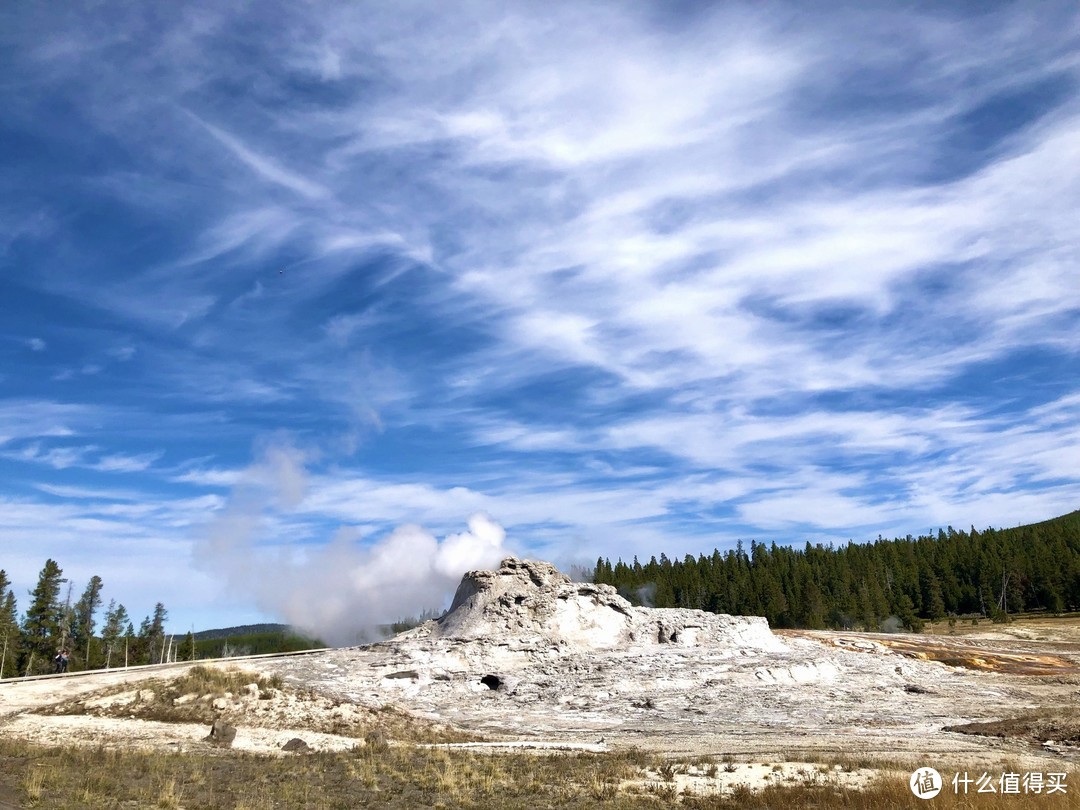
(533, 605)
(527, 655)
(524, 651)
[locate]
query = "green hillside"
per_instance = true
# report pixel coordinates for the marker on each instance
(249, 639)
(241, 630)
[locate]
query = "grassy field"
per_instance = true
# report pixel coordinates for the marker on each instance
(378, 774)
(1064, 627)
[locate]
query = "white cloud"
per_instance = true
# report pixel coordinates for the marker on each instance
(208, 477)
(82, 456)
(36, 418)
(264, 166)
(126, 463)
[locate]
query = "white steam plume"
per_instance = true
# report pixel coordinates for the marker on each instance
(344, 590)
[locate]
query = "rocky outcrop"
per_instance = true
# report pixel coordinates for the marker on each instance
(531, 603)
(532, 600)
(221, 733)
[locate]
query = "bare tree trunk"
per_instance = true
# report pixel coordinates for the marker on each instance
(65, 623)
(125, 653)
(30, 663)
(3, 657)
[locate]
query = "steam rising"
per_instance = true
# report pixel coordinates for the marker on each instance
(344, 590)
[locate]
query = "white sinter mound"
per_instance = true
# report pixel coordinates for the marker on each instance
(532, 602)
(526, 651)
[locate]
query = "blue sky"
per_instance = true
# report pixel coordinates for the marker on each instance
(291, 292)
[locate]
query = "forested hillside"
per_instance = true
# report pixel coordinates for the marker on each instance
(991, 573)
(240, 630)
(252, 639)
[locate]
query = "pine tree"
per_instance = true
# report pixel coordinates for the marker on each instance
(85, 608)
(813, 606)
(65, 619)
(776, 604)
(41, 624)
(937, 602)
(9, 628)
(142, 645)
(10, 638)
(188, 647)
(906, 613)
(129, 641)
(157, 633)
(116, 622)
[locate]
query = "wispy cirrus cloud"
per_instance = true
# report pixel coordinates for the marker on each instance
(626, 279)
(32, 418)
(263, 166)
(85, 456)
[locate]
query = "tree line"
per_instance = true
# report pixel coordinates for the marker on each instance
(239, 641)
(877, 585)
(51, 624)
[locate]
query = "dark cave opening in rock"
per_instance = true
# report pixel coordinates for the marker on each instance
(492, 682)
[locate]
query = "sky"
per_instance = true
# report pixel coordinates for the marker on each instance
(306, 308)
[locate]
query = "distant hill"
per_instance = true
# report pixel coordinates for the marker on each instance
(252, 639)
(241, 630)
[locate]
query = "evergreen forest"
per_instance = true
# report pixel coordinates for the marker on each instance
(886, 584)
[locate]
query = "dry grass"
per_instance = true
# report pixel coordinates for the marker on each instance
(1061, 724)
(405, 776)
(204, 680)
(170, 796)
(185, 698)
(378, 773)
(1043, 626)
(34, 785)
